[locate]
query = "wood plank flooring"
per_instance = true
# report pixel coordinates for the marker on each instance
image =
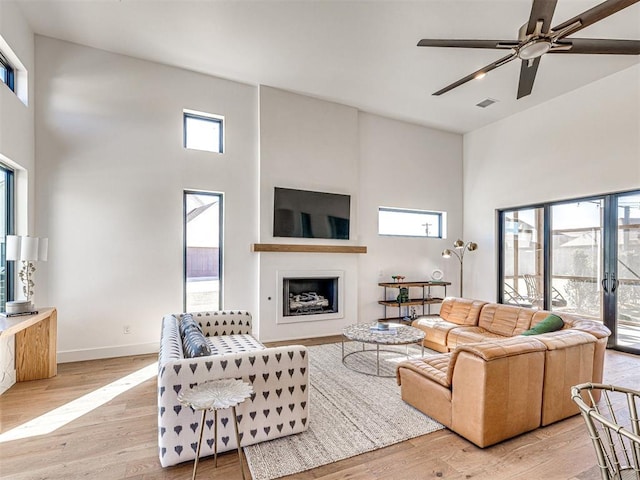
(117, 439)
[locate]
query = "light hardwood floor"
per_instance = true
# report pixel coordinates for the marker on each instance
(117, 439)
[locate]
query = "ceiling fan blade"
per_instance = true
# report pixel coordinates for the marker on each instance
(596, 46)
(541, 10)
(470, 77)
(464, 43)
(528, 71)
(593, 15)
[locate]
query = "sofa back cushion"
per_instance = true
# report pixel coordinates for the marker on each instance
(461, 311)
(224, 322)
(507, 320)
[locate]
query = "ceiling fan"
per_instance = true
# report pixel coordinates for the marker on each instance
(536, 38)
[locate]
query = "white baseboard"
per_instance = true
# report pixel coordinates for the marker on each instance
(107, 352)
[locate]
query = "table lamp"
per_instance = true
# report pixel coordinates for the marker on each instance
(28, 250)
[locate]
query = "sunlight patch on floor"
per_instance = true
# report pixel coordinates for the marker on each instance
(69, 412)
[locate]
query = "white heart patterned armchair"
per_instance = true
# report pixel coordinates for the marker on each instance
(278, 407)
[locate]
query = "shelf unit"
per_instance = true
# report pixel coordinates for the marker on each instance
(414, 300)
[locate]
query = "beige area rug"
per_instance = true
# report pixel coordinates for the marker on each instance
(350, 413)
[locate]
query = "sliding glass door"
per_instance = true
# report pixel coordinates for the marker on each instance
(626, 284)
(523, 257)
(576, 257)
(580, 256)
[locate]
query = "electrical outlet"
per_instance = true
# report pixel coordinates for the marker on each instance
(126, 329)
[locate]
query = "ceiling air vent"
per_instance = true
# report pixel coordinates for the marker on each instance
(486, 102)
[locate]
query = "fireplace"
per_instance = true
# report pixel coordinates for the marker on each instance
(310, 296)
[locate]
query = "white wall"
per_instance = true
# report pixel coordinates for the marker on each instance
(406, 166)
(317, 145)
(16, 148)
(112, 171)
(582, 143)
(17, 118)
(308, 144)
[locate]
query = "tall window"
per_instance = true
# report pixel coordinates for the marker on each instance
(6, 228)
(410, 223)
(202, 251)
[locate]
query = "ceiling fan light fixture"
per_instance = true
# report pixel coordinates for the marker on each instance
(534, 49)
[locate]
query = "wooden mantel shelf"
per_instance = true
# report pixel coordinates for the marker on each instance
(295, 248)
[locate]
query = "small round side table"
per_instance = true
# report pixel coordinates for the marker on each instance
(216, 395)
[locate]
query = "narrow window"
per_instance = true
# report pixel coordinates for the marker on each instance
(7, 73)
(202, 251)
(203, 131)
(411, 223)
(6, 228)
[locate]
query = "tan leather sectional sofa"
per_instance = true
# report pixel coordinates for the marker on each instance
(491, 383)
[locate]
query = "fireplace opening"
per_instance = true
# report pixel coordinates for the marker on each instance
(309, 296)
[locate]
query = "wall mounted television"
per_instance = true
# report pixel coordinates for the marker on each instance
(306, 214)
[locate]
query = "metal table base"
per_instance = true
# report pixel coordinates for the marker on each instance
(377, 350)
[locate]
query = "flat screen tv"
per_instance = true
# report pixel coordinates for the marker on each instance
(306, 214)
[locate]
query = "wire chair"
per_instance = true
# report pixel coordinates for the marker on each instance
(613, 426)
(534, 291)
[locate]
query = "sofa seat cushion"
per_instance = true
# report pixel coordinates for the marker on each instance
(233, 344)
(435, 330)
(465, 335)
(433, 367)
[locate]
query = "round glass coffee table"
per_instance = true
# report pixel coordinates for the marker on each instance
(367, 333)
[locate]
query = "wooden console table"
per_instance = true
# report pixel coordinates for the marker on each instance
(36, 343)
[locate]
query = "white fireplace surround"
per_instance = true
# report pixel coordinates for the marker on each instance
(293, 274)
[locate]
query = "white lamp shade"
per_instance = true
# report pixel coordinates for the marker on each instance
(13, 247)
(29, 248)
(43, 249)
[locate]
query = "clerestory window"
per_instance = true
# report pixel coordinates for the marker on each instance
(7, 73)
(411, 223)
(203, 131)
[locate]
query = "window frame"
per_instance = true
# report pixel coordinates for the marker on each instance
(9, 81)
(440, 217)
(608, 255)
(9, 228)
(220, 197)
(195, 115)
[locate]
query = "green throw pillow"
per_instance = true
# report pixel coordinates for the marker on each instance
(549, 324)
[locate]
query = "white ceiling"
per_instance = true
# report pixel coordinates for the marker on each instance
(359, 53)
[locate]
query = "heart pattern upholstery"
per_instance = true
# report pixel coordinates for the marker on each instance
(278, 407)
